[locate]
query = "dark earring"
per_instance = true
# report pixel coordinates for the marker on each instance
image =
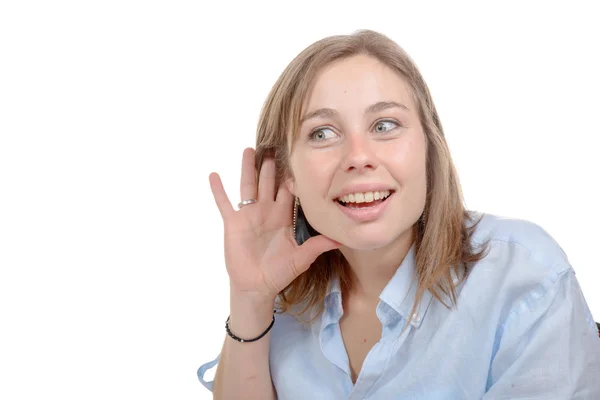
(302, 229)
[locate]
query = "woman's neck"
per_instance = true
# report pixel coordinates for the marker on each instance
(371, 270)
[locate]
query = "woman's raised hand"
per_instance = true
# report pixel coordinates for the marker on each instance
(261, 254)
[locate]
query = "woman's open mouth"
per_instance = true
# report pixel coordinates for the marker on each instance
(364, 207)
(364, 200)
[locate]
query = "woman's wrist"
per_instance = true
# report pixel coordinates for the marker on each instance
(250, 315)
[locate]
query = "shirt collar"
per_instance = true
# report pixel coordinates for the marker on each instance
(399, 294)
(332, 311)
(401, 290)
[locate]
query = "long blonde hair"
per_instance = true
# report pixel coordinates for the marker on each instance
(443, 232)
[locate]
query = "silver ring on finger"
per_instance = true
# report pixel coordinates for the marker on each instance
(246, 202)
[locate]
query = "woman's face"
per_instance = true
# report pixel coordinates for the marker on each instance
(360, 139)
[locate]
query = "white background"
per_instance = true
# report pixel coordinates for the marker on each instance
(113, 114)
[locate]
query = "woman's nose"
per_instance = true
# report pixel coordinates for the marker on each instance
(359, 154)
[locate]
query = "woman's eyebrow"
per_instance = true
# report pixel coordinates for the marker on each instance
(373, 108)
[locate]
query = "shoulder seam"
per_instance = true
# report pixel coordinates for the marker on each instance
(559, 267)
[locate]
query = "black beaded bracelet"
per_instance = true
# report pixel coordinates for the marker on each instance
(248, 340)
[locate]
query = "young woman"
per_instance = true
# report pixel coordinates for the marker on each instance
(385, 286)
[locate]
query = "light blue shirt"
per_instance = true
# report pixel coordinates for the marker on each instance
(521, 330)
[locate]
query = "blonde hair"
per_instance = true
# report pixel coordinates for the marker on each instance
(442, 234)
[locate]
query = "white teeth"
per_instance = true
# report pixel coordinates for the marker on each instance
(365, 197)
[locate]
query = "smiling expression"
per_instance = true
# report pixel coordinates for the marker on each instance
(359, 160)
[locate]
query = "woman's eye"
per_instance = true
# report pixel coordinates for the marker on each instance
(320, 134)
(385, 126)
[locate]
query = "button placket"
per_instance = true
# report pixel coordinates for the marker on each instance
(390, 347)
(378, 357)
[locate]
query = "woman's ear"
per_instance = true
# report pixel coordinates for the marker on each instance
(290, 184)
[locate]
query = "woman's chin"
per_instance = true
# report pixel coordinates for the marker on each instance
(364, 243)
(369, 240)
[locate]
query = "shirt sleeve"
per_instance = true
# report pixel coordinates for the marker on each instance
(548, 348)
(202, 370)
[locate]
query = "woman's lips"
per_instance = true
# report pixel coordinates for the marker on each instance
(364, 212)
